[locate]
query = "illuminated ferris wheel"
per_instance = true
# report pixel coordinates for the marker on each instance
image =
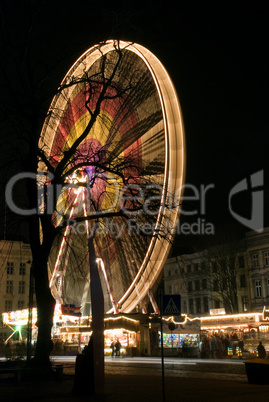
(136, 138)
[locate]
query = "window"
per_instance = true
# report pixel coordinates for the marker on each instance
(189, 286)
(258, 288)
(185, 306)
(198, 305)
(196, 267)
(188, 268)
(197, 285)
(243, 282)
(191, 306)
(9, 287)
(169, 273)
(255, 260)
(170, 290)
(245, 303)
(176, 288)
(241, 261)
(224, 284)
(21, 287)
(20, 304)
(8, 305)
(22, 269)
(266, 258)
(267, 287)
(216, 285)
(214, 267)
(205, 300)
(176, 271)
(204, 283)
(217, 304)
(10, 268)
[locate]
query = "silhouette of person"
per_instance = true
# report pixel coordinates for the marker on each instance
(117, 347)
(112, 346)
(261, 351)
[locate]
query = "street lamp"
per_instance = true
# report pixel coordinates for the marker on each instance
(30, 313)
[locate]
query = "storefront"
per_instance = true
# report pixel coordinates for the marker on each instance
(71, 333)
(249, 328)
(180, 339)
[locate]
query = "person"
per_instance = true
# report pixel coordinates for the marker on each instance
(241, 344)
(112, 346)
(117, 347)
(261, 351)
(202, 348)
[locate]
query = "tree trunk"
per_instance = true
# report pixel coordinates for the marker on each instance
(45, 309)
(89, 376)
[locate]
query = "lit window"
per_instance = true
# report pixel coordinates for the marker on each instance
(255, 260)
(10, 268)
(21, 287)
(258, 288)
(9, 287)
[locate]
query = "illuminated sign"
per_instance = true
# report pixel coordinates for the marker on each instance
(18, 317)
(217, 311)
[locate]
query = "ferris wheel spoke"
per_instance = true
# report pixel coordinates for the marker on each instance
(62, 246)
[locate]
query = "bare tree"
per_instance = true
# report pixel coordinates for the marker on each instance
(221, 257)
(25, 87)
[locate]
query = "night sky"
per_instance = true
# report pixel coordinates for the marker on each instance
(215, 55)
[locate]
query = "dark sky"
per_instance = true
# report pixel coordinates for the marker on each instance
(217, 59)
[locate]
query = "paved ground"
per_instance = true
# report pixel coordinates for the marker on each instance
(209, 381)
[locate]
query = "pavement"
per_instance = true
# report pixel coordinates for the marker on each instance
(133, 384)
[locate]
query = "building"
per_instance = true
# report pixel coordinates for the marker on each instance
(15, 264)
(234, 279)
(257, 246)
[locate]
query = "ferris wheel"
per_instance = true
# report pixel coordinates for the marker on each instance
(137, 134)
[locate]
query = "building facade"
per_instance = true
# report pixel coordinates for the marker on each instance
(204, 289)
(257, 246)
(15, 264)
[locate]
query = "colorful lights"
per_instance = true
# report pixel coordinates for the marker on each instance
(118, 127)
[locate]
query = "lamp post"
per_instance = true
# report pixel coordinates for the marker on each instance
(30, 314)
